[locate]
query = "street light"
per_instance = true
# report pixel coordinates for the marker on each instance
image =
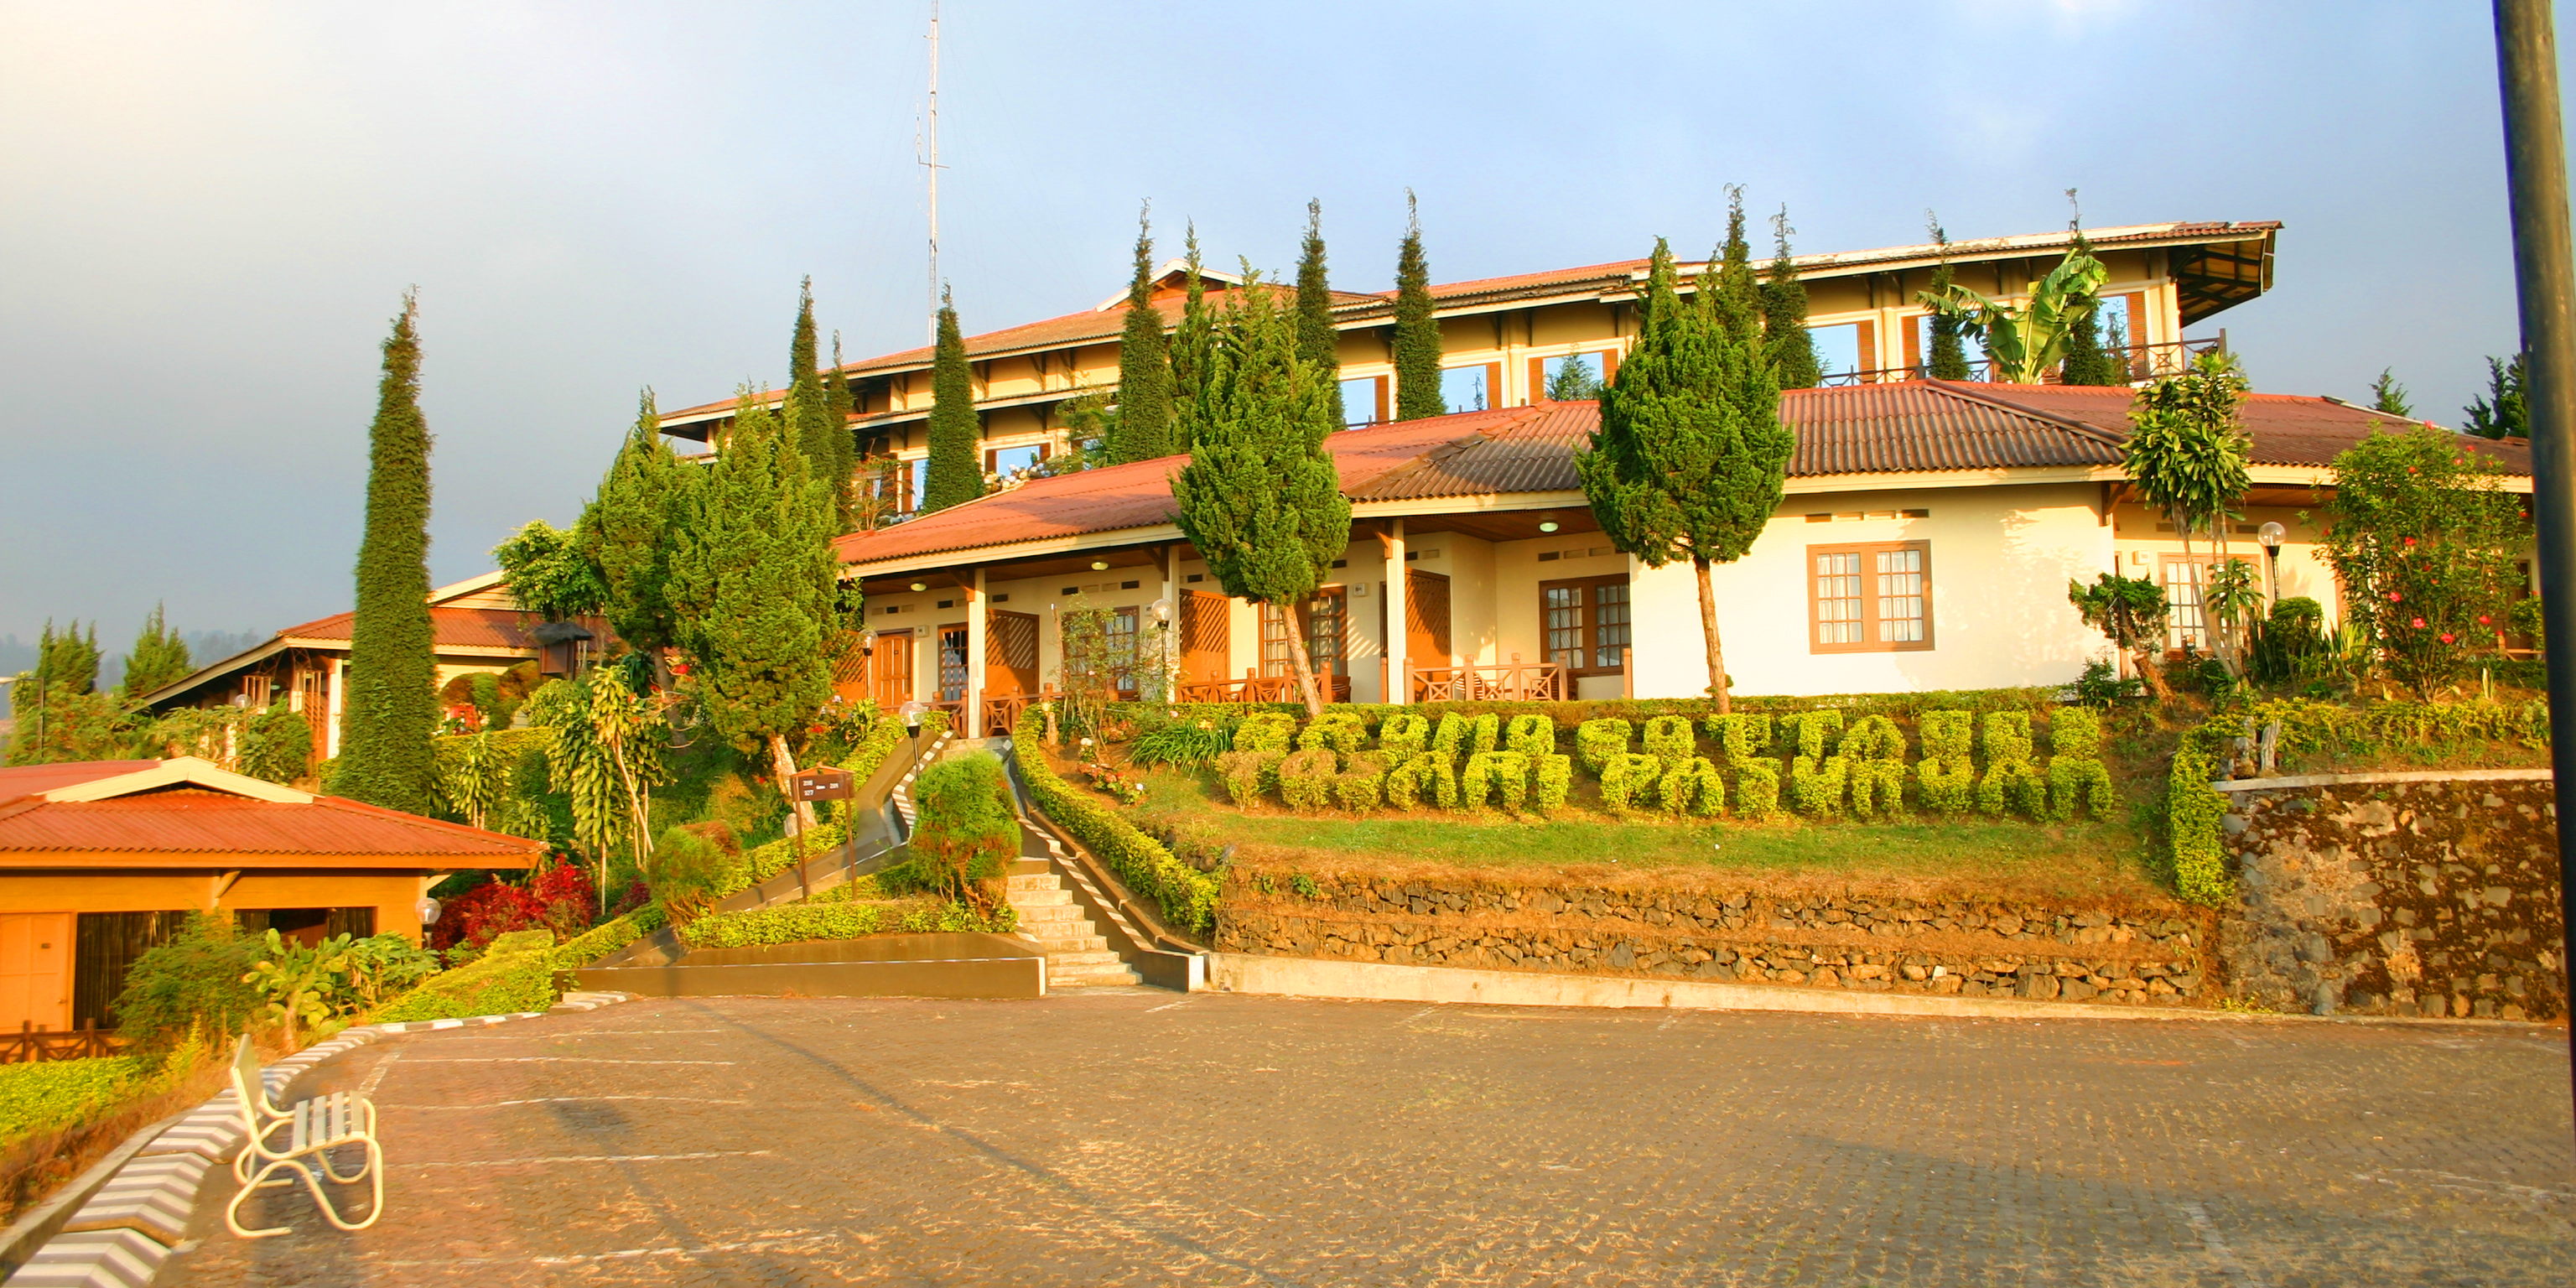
(2270, 535)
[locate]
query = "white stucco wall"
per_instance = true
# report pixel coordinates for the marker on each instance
(2000, 561)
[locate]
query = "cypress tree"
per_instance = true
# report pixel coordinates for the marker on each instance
(2086, 363)
(753, 583)
(1417, 333)
(2503, 412)
(1784, 316)
(1193, 349)
(841, 459)
(390, 708)
(159, 657)
(2386, 395)
(1260, 498)
(69, 658)
(955, 474)
(1317, 341)
(1948, 359)
(1733, 301)
(1691, 456)
(629, 529)
(1143, 428)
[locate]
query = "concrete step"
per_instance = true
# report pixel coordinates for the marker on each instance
(1090, 957)
(1068, 945)
(1049, 912)
(1055, 897)
(1019, 881)
(1124, 978)
(1077, 976)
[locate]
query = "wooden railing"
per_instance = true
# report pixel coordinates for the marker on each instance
(2145, 362)
(1002, 711)
(1259, 688)
(1514, 681)
(30, 1045)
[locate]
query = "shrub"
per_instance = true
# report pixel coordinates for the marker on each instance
(2011, 780)
(1757, 787)
(381, 966)
(1186, 895)
(806, 922)
(684, 872)
(1742, 735)
(1668, 739)
(1597, 741)
(1184, 743)
(1485, 733)
(1816, 788)
(1551, 780)
(1629, 781)
(1265, 731)
(1361, 786)
(37, 1097)
(1503, 774)
(1306, 779)
(1406, 783)
(1946, 777)
(2193, 810)
(1451, 738)
(1403, 735)
(191, 981)
(967, 822)
(1531, 735)
(1341, 731)
(608, 937)
(1695, 789)
(1875, 750)
(1247, 773)
(517, 973)
(1816, 732)
(2075, 769)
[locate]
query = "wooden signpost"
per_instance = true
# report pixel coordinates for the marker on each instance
(821, 783)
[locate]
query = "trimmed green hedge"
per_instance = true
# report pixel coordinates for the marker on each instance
(607, 937)
(517, 973)
(1187, 895)
(1569, 715)
(805, 922)
(55, 1094)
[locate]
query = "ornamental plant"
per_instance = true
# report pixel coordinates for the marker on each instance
(2423, 539)
(1306, 779)
(1246, 773)
(1550, 781)
(2130, 612)
(1450, 738)
(1817, 781)
(2011, 780)
(1342, 731)
(1361, 786)
(1597, 741)
(2186, 448)
(1628, 781)
(1757, 777)
(1875, 750)
(1668, 739)
(1429, 777)
(391, 709)
(1403, 736)
(1501, 775)
(1945, 778)
(2193, 810)
(2076, 774)
(1265, 731)
(1484, 734)
(1531, 735)
(1694, 788)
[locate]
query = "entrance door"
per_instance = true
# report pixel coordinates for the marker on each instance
(1205, 642)
(35, 970)
(890, 669)
(952, 662)
(1011, 652)
(1426, 618)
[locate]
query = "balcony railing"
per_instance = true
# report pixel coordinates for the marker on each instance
(1259, 688)
(2145, 362)
(1514, 681)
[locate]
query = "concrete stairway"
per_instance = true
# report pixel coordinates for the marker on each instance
(1078, 955)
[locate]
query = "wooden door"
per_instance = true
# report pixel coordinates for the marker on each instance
(35, 970)
(1205, 636)
(890, 669)
(1426, 618)
(1010, 652)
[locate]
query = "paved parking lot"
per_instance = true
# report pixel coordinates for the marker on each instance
(1142, 1137)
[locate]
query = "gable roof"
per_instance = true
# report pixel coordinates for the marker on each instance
(108, 813)
(1900, 427)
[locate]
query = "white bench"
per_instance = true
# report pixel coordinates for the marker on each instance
(311, 1130)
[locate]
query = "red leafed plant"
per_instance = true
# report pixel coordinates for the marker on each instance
(557, 897)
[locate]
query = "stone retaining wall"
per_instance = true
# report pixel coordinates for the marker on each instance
(1687, 927)
(2369, 894)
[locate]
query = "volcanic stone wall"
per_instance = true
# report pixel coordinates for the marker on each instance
(2372, 894)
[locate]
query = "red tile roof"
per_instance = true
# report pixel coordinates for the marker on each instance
(197, 820)
(28, 780)
(501, 628)
(1915, 426)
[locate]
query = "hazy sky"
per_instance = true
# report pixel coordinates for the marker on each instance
(210, 211)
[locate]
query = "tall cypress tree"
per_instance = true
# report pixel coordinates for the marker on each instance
(956, 475)
(1260, 497)
(1317, 341)
(840, 462)
(159, 657)
(390, 708)
(1417, 333)
(1784, 316)
(819, 433)
(631, 528)
(1691, 457)
(1733, 301)
(1143, 428)
(1193, 349)
(1948, 359)
(68, 659)
(2389, 396)
(2086, 363)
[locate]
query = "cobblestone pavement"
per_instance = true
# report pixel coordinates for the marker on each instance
(1142, 1137)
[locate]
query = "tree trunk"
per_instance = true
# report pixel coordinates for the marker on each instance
(1708, 628)
(783, 763)
(1298, 662)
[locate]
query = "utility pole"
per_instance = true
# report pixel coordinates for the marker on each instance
(930, 164)
(2544, 271)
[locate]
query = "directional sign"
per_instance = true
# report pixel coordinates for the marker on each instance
(821, 784)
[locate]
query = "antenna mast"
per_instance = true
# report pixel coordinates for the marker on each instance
(930, 164)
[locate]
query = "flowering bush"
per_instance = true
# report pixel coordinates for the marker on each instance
(2423, 540)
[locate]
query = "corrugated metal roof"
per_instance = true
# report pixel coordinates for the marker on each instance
(450, 628)
(2286, 429)
(199, 821)
(28, 780)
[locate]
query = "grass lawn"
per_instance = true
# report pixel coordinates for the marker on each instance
(2072, 859)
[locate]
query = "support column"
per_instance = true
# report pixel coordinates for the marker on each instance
(339, 669)
(1398, 603)
(976, 643)
(1172, 621)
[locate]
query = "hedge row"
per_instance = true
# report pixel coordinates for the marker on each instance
(803, 922)
(49, 1096)
(1567, 715)
(517, 973)
(1186, 895)
(607, 937)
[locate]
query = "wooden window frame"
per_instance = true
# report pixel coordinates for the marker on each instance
(939, 662)
(1870, 640)
(1275, 613)
(992, 462)
(1591, 625)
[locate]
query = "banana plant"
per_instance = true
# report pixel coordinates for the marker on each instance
(2025, 341)
(300, 984)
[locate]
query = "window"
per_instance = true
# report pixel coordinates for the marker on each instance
(2185, 624)
(1364, 400)
(1838, 348)
(952, 663)
(1327, 625)
(1585, 623)
(1467, 388)
(1008, 461)
(1971, 345)
(1118, 632)
(1553, 382)
(1869, 598)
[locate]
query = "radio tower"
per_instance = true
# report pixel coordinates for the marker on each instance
(930, 165)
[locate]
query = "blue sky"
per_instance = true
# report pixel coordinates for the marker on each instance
(211, 211)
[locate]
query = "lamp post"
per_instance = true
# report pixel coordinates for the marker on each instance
(2270, 535)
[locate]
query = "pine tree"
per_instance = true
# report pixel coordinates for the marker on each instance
(754, 586)
(390, 709)
(1784, 316)
(956, 475)
(628, 531)
(2501, 413)
(2116, 360)
(1728, 296)
(841, 462)
(159, 657)
(1417, 333)
(1317, 341)
(1573, 382)
(1691, 457)
(69, 658)
(1260, 498)
(2086, 363)
(1193, 347)
(1142, 429)
(2386, 395)
(1948, 359)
